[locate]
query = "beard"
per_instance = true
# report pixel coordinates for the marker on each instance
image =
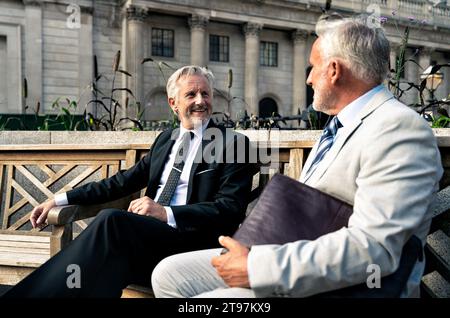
(195, 118)
(323, 98)
(197, 108)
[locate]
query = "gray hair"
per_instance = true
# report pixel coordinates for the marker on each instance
(363, 48)
(172, 87)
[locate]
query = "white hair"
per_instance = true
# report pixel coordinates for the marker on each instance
(172, 87)
(362, 47)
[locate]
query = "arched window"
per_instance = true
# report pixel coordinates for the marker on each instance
(267, 106)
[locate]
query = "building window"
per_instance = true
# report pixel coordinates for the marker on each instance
(219, 48)
(268, 54)
(162, 42)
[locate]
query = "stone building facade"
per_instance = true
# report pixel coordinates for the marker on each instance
(265, 44)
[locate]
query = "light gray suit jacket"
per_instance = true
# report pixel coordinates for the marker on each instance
(388, 167)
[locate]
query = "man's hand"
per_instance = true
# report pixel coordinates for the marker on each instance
(38, 217)
(232, 266)
(146, 206)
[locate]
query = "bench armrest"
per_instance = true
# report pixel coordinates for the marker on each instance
(70, 213)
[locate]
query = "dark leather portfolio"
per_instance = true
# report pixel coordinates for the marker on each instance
(288, 211)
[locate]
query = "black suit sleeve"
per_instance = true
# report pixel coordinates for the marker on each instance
(123, 183)
(226, 210)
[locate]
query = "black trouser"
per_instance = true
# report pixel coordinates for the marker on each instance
(117, 249)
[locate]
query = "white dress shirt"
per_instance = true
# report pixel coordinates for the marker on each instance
(180, 195)
(347, 116)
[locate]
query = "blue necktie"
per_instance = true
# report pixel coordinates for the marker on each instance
(174, 176)
(325, 143)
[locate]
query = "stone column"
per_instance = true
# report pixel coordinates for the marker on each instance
(411, 75)
(85, 57)
(445, 86)
(198, 25)
(299, 38)
(425, 58)
(33, 53)
(424, 62)
(251, 31)
(395, 47)
(135, 50)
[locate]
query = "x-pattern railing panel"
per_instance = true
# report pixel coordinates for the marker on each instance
(21, 198)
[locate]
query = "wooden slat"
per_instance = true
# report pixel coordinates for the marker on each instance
(130, 159)
(62, 235)
(86, 173)
(22, 250)
(22, 232)
(104, 172)
(16, 237)
(83, 162)
(26, 260)
(35, 181)
(8, 198)
(20, 222)
(54, 158)
(24, 193)
(71, 147)
(1, 185)
(82, 224)
(11, 275)
(49, 172)
(114, 169)
(58, 175)
(295, 163)
(19, 244)
(19, 204)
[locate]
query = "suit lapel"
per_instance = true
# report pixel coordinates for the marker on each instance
(376, 101)
(198, 159)
(160, 155)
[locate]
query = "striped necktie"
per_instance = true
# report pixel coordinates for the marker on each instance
(325, 143)
(174, 176)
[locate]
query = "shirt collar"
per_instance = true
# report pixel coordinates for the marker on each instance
(198, 129)
(349, 113)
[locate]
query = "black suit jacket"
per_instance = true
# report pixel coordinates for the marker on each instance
(218, 190)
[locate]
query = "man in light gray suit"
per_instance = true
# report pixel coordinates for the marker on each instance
(376, 154)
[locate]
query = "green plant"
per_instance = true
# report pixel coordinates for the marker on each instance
(66, 115)
(441, 122)
(399, 86)
(6, 121)
(110, 104)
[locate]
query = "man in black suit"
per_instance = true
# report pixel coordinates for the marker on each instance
(197, 188)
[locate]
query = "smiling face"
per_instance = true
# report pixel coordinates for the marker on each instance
(192, 102)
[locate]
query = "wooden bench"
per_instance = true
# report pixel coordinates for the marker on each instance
(51, 169)
(30, 174)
